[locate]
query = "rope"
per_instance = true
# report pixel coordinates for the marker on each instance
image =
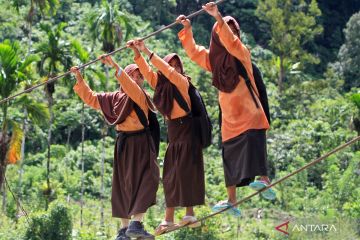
(273, 184)
(108, 54)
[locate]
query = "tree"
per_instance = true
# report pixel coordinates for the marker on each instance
(13, 71)
(349, 54)
(55, 225)
(34, 112)
(54, 55)
(292, 25)
(46, 7)
(83, 57)
(335, 15)
(105, 26)
(355, 99)
(159, 12)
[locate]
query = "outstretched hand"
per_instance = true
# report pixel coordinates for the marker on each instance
(130, 44)
(212, 9)
(75, 70)
(139, 44)
(107, 60)
(184, 21)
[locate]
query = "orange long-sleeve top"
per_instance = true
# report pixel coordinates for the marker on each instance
(180, 81)
(239, 112)
(130, 87)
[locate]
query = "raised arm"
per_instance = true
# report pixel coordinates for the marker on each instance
(150, 76)
(196, 53)
(231, 41)
(84, 91)
(129, 86)
(170, 73)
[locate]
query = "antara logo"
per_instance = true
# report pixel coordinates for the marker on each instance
(307, 228)
(281, 226)
(315, 228)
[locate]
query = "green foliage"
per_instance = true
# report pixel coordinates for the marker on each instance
(314, 113)
(349, 53)
(107, 25)
(292, 24)
(55, 225)
(53, 50)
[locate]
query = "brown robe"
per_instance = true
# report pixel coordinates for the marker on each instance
(183, 173)
(243, 125)
(135, 171)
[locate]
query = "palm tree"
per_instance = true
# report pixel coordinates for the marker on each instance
(83, 56)
(46, 7)
(38, 114)
(13, 71)
(54, 55)
(106, 26)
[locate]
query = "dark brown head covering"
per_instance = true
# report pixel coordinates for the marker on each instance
(223, 64)
(164, 93)
(130, 68)
(116, 106)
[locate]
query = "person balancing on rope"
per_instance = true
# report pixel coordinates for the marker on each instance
(183, 174)
(243, 121)
(135, 171)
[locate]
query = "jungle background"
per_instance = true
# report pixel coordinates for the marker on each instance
(57, 153)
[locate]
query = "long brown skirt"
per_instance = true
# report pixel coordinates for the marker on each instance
(135, 174)
(244, 158)
(183, 175)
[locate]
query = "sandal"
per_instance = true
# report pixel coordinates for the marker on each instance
(225, 204)
(268, 194)
(191, 220)
(163, 227)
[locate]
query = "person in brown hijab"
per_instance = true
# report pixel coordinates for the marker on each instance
(243, 122)
(135, 171)
(183, 172)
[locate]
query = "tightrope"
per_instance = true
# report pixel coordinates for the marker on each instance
(50, 80)
(354, 140)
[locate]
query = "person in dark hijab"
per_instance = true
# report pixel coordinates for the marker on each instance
(135, 171)
(243, 122)
(183, 172)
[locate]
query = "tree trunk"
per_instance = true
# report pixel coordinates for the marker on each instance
(3, 150)
(82, 163)
(104, 131)
(3, 170)
(21, 170)
(281, 74)
(4, 197)
(30, 36)
(30, 19)
(48, 190)
(159, 6)
(68, 136)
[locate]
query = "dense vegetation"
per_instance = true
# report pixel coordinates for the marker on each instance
(57, 153)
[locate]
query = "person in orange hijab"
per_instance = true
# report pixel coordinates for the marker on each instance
(183, 172)
(243, 122)
(135, 170)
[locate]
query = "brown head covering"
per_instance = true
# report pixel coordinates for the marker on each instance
(164, 93)
(130, 68)
(116, 106)
(223, 64)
